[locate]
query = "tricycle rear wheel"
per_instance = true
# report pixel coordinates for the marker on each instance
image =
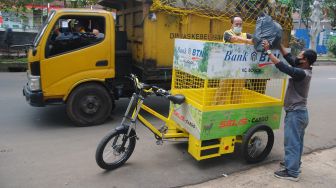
(257, 143)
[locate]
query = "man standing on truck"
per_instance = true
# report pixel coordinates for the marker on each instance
(224, 94)
(296, 119)
(235, 34)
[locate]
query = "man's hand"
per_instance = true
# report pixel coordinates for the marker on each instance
(241, 40)
(265, 45)
(234, 39)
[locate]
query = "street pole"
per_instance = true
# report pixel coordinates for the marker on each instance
(42, 14)
(48, 10)
(300, 14)
(315, 28)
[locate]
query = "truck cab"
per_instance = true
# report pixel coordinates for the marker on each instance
(74, 61)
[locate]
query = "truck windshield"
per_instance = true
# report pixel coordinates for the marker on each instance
(43, 28)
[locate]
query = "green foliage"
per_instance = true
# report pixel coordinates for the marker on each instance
(16, 5)
(330, 8)
(81, 3)
(204, 64)
(306, 9)
(19, 6)
(176, 56)
(296, 45)
(256, 67)
(206, 50)
(332, 45)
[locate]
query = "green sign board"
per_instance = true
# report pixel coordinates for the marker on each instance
(218, 60)
(218, 124)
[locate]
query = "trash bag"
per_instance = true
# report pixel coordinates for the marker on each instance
(267, 29)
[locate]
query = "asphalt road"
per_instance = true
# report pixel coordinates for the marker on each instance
(40, 147)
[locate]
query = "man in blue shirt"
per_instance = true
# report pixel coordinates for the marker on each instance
(295, 104)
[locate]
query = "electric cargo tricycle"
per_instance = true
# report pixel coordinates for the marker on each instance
(217, 100)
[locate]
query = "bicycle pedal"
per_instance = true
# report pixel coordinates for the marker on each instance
(163, 129)
(159, 142)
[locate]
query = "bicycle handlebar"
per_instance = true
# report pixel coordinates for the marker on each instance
(145, 90)
(139, 86)
(159, 91)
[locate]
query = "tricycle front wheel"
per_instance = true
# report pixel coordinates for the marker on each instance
(257, 143)
(115, 149)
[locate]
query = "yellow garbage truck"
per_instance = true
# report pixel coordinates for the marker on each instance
(81, 57)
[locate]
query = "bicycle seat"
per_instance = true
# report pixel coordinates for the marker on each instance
(176, 99)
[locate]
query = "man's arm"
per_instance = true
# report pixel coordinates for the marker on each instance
(240, 40)
(288, 56)
(283, 50)
(227, 37)
(296, 73)
(230, 38)
(248, 39)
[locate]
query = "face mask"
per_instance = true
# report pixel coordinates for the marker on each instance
(297, 61)
(237, 30)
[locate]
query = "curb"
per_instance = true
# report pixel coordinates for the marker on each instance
(13, 67)
(318, 171)
(325, 63)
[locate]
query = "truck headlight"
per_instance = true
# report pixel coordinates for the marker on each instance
(34, 83)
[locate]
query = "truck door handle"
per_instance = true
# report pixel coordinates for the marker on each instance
(101, 63)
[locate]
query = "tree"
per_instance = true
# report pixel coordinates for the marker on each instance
(79, 3)
(315, 29)
(19, 6)
(312, 14)
(330, 8)
(305, 9)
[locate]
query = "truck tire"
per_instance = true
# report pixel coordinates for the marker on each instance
(89, 104)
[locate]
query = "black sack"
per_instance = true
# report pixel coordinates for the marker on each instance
(267, 29)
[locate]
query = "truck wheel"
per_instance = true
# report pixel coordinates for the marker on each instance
(257, 143)
(89, 104)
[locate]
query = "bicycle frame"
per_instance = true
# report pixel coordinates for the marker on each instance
(174, 131)
(127, 130)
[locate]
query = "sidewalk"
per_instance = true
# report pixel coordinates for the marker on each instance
(13, 65)
(318, 170)
(325, 60)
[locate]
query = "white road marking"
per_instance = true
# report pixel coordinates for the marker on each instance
(331, 78)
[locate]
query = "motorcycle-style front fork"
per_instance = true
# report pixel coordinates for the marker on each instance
(129, 119)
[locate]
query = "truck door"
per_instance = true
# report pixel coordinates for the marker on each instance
(76, 49)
